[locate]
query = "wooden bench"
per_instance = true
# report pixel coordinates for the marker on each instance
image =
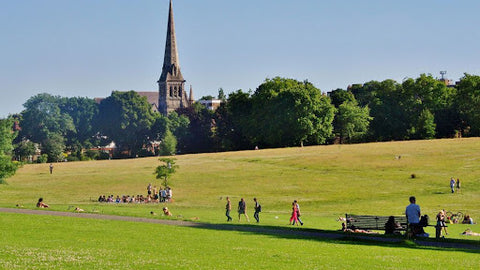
(366, 222)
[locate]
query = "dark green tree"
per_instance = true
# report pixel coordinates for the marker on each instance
(351, 121)
(24, 150)
(127, 119)
(42, 116)
(179, 126)
(423, 98)
(168, 147)
(287, 112)
(339, 96)
(200, 135)
(7, 135)
(234, 120)
(82, 112)
(221, 94)
(467, 102)
(54, 146)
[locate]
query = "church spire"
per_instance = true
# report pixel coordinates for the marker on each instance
(171, 85)
(171, 63)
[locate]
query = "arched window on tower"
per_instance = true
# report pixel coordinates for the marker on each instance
(171, 91)
(175, 93)
(180, 91)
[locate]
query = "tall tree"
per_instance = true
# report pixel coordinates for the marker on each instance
(7, 135)
(82, 111)
(42, 116)
(351, 121)
(339, 96)
(468, 103)
(24, 150)
(127, 119)
(168, 147)
(234, 122)
(287, 112)
(423, 98)
(199, 138)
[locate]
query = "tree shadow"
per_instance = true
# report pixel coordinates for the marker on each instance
(339, 237)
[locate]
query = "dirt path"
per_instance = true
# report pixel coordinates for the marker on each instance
(279, 231)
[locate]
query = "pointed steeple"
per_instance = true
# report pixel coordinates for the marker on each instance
(171, 85)
(171, 63)
(190, 99)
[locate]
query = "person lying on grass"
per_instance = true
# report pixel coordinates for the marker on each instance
(41, 204)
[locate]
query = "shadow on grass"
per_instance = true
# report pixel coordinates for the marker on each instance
(327, 236)
(338, 237)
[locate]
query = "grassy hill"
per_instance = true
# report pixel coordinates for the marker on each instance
(328, 181)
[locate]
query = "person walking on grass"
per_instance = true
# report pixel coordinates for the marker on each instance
(458, 184)
(298, 212)
(294, 217)
(452, 184)
(242, 209)
(228, 207)
(51, 168)
(258, 209)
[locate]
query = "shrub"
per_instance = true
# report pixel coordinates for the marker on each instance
(42, 159)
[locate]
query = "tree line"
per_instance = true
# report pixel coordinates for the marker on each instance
(281, 112)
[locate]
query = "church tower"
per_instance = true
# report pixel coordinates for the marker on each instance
(171, 85)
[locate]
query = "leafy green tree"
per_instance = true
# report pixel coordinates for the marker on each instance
(7, 135)
(199, 138)
(351, 121)
(221, 94)
(425, 125)
(234, 120)
(54, 146)
(127, 119)
(467, 102)
(287, 112)
(82, 112)
(168, 146)
(42, 117)
(24, 150)
(423, 98)
(179, 125)
(340, 96)
(165, 170)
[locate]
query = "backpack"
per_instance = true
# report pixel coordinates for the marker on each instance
(259, 208)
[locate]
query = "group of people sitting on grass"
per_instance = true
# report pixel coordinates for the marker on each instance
(163, 195)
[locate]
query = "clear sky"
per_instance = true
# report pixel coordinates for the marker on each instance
(88, 48)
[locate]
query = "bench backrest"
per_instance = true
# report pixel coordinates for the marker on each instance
(366, 222)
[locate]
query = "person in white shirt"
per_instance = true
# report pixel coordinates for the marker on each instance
(413, 212)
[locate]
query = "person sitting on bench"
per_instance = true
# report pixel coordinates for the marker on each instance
(392, 227)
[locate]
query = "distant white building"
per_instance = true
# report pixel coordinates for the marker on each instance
(211, 104)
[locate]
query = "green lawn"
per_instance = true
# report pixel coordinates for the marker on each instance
(46, 242)
(328, 181)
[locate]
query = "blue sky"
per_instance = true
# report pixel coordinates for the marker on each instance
(89, 48)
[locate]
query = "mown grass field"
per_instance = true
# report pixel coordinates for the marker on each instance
(45, 242)
(328, 181)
